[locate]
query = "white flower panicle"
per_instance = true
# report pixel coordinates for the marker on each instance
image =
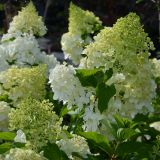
(75, 144)
(81, 25)
(67, 87)
(72, 46)
(23, 50)
(4, 111)
(28, 21)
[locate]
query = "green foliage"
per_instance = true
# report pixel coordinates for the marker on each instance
(138, 150)
(99, 140)
(5, 98)
(52, 152)
(96, 78)
(7, 136)
(5, 147)
(104, 94)
(7, 142)
(124, 144)
(90, 77)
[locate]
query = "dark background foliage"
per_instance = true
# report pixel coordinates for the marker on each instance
(55, 13)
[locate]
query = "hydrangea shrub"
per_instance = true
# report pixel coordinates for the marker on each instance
(104, 105)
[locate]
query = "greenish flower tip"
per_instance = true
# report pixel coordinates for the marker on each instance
(127, 34)
(131, 30)
(82, 22)
(28, 21)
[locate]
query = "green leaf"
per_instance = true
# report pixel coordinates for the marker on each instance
(149, 118)
(4, 98)
(99, 140)
(7, 136)
(64, 111)
(108, 74)
(142, 150)
(52, 152)
(126, 133)
(5, 147)
(119, 121)
(90, 77)
(104, 94)
(19, 145)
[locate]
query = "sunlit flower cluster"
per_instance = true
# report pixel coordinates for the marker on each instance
(126, 52)
(91, 119)
(20, 83)
(67, 87)
(23, 154)
(75, 144)
(72, 45)
(82, 24)
(28, 21)
(37, 120)
(22, 50)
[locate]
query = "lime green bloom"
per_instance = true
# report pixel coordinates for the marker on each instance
(37, 120)
(155, 67)
(82, 26)
(20, 83)
(82, 22)
(23, 154)
(125, 48)
(113, 46)
(28, 21)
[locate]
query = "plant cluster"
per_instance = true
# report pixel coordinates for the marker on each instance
(105, 105)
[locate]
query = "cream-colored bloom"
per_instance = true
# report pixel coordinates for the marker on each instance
(126, 53)
(37, 120)
(67, 87)
(155, 67)
(23, 50)
(75, 144)
(156, 125)
(20, 83)
(28, 21)
(72, 46)
(23, 154)
(82, 22)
